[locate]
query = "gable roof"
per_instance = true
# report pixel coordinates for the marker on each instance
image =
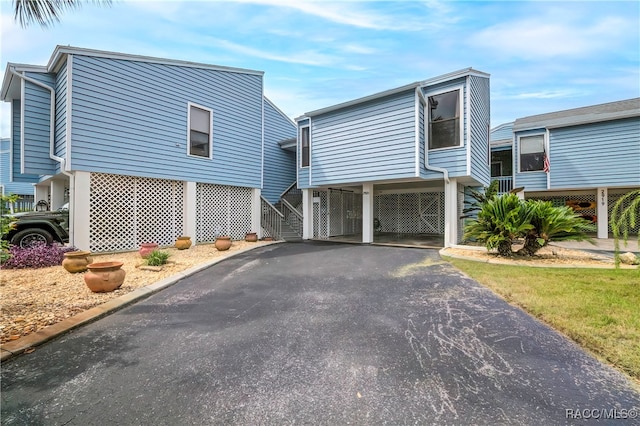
(585, 115)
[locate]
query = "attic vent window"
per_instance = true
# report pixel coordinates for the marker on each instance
(200, 125)
(444, 120)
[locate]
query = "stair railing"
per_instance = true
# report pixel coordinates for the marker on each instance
(270, 219)
(293, 196)
(292, 216)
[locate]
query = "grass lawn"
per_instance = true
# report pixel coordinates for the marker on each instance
(598, 308)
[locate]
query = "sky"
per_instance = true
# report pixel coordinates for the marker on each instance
(542, 56)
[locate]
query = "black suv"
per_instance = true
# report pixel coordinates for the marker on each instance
(35, 227)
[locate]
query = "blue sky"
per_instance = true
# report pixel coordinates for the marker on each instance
(542, 56)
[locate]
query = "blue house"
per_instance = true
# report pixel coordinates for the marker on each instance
(395, 163)
(147, 149)
(586, 158)
(7, 186)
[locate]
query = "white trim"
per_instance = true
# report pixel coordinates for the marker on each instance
(299, 148)
(23, 85)
(454, 75)
(69, 113)
(367, 212)
(466, 117)
(602, 212)
(60, 51)
(417, 132)
(544, 145)
(189, 105)
(461, 112)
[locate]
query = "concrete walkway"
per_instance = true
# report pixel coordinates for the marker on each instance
(315, 333)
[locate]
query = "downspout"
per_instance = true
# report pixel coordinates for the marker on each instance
(427, 166)
(52, 128)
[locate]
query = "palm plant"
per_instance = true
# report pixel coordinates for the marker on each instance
(501, 221)
(624, 217)
(46, 12)
(549, 222)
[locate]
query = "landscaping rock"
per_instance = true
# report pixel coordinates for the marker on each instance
(629, 258)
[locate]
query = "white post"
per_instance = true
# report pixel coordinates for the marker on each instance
(451, 212)
(367, 213)
(256, 212)
(81, 210)
(190, 211)
(57, 194)
(602, 212)
(307, 214)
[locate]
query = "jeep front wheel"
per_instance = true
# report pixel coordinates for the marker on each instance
(31, 236)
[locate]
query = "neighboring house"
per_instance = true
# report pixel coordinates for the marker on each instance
(396, 162)
(7, 186)
(592, 157)
(147, 149)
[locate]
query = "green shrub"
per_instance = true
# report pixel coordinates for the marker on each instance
(157, 258)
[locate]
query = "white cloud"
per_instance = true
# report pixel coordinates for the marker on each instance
(542, 37)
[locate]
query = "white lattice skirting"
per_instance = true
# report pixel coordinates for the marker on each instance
(127, 211)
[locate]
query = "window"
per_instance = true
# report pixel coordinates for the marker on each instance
(532, 153)
(200, 125)
(304, 147)
(444, 120)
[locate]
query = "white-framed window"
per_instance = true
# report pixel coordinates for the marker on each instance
(531, 153)
(445, 118)
(304, 146)
(200, 131)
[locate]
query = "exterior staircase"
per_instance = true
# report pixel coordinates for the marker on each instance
(283, 221)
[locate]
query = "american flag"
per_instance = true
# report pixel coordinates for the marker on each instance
(547, 165)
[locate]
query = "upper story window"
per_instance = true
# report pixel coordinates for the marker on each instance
(532, 153)
(304, 146)
(200, 125)
(444, 119)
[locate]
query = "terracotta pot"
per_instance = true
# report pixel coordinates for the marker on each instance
(251, 237)
(267, 239)
(146, 249)
(104, 276)
(76, 261)
(223, 243)
(183, 243)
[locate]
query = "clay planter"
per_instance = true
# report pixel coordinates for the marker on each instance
(146, 249)
(223, 243)
(104, 276)
(267, 239)
(183, 243)
(251, 237)
(76, 261)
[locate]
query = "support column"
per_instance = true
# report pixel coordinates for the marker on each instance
(367, 213)
(57, 194)
(307, 214)
(602, 212)
(256, 212)
(451, 212)
(41, 192)
(80, 206)
(190, 211)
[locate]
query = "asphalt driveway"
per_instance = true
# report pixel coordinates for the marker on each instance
(314, 333)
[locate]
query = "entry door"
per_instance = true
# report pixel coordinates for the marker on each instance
(430, 212)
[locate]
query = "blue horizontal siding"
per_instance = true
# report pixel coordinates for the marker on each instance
(15, 144)
(125, 111)
(479, 120)
(11, 187)
(61, 114)
(37, 117)
(279, 164)
(502, 132)
(366, 142)
(598, 154)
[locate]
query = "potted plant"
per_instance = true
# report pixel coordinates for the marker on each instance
(146, 249)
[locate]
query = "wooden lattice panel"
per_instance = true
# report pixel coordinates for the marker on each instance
(222, 210)
(126, 211)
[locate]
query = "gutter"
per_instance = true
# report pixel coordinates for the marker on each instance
(427, 166)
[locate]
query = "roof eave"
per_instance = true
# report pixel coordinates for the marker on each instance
(8, 76)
